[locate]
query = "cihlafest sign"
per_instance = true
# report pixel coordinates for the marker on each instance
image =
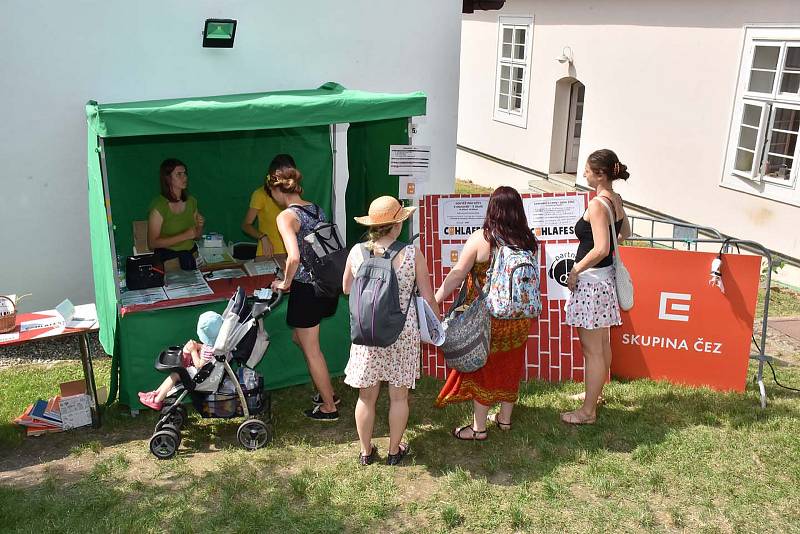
(680, 329)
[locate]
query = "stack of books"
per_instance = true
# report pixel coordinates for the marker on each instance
(42, 417)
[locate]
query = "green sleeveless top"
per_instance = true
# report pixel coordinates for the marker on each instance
(175, 223)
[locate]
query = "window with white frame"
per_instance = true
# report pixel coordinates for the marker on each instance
(764, 140)
(513, 70)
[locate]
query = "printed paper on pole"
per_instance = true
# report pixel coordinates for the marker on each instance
(409, 159)
(410, 188)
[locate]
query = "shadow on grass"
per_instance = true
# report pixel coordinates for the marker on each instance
(639, 415)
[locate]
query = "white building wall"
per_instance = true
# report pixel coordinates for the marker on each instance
(660, 83)
(58, 55)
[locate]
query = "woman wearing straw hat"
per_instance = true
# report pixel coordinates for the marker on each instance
(397, 364)
(305, 310)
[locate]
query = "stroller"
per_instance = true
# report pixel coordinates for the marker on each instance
(226, 387)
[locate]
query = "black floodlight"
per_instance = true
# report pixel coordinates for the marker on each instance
(219, 33)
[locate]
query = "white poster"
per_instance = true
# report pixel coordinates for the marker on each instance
(450, 254)
(560, 258)
(409, 159)
(459, 217)
(554, 218)
(410, 188)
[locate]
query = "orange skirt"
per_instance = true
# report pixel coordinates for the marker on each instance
(498, 380)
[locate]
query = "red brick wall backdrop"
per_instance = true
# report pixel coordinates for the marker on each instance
(553, 351)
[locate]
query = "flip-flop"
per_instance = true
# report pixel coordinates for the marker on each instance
(505, 427)
(456, 433)
(565, 418)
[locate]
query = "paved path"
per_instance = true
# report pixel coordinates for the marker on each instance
(787, 325)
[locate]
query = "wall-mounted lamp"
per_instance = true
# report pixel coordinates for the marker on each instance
(566, 55)
(219, 33)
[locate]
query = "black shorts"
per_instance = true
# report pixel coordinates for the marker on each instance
(305, 309)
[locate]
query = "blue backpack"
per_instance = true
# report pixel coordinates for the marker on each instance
(513, 284)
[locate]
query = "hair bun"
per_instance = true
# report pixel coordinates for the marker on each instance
(621, 171)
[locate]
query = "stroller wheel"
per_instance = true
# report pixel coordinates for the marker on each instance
(254, 434)
(164, 444)
(176, 417)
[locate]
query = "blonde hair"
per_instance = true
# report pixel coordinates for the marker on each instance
(287, 180)
(376, 232)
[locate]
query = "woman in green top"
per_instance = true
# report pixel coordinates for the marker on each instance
(174, 222)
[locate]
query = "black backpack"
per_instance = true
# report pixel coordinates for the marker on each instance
(328, 256)
(376, 318)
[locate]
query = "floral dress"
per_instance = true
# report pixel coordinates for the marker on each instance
(399, 363)
(498, 380)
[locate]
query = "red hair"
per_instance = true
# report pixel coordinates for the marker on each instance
(505, 219)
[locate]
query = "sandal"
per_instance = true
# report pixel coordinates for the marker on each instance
(573, 418)
(456, 433)
(367, 459)
(402, 450)
(505, 427)
(582, 395)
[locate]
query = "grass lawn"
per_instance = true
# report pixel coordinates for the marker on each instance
(466, 187)
(661, 458)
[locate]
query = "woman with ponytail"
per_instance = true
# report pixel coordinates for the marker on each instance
(305, 310)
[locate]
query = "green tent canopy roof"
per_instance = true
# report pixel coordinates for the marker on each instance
(330, 104)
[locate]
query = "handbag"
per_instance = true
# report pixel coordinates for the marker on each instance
(467, 332)
(143, 272)
(623, 280)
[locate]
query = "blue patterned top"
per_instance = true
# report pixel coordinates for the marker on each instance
(307, 224)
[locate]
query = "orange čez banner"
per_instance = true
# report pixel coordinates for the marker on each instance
(680, 328)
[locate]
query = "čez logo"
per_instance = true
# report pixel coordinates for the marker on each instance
(669, 304)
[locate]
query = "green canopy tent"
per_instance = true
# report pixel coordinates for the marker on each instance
(227, 143)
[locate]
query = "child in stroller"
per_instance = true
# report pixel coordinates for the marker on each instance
(193, 358)
(225, 387)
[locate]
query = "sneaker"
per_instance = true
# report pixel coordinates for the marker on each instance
(149, 400)
(402, 451)
(317, 400)
(367, 459)
(319, 415)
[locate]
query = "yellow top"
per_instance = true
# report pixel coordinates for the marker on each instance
(268, 212)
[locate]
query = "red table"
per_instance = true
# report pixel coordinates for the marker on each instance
(53, 327)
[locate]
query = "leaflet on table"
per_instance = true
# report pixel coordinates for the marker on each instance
(225, 273)
(5, 338)
(83, 316)
(144, 296)
(212, 255)
(255, 268)
(184, 284)
(49, 322)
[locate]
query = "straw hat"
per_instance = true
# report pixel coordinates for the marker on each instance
(385, 210)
